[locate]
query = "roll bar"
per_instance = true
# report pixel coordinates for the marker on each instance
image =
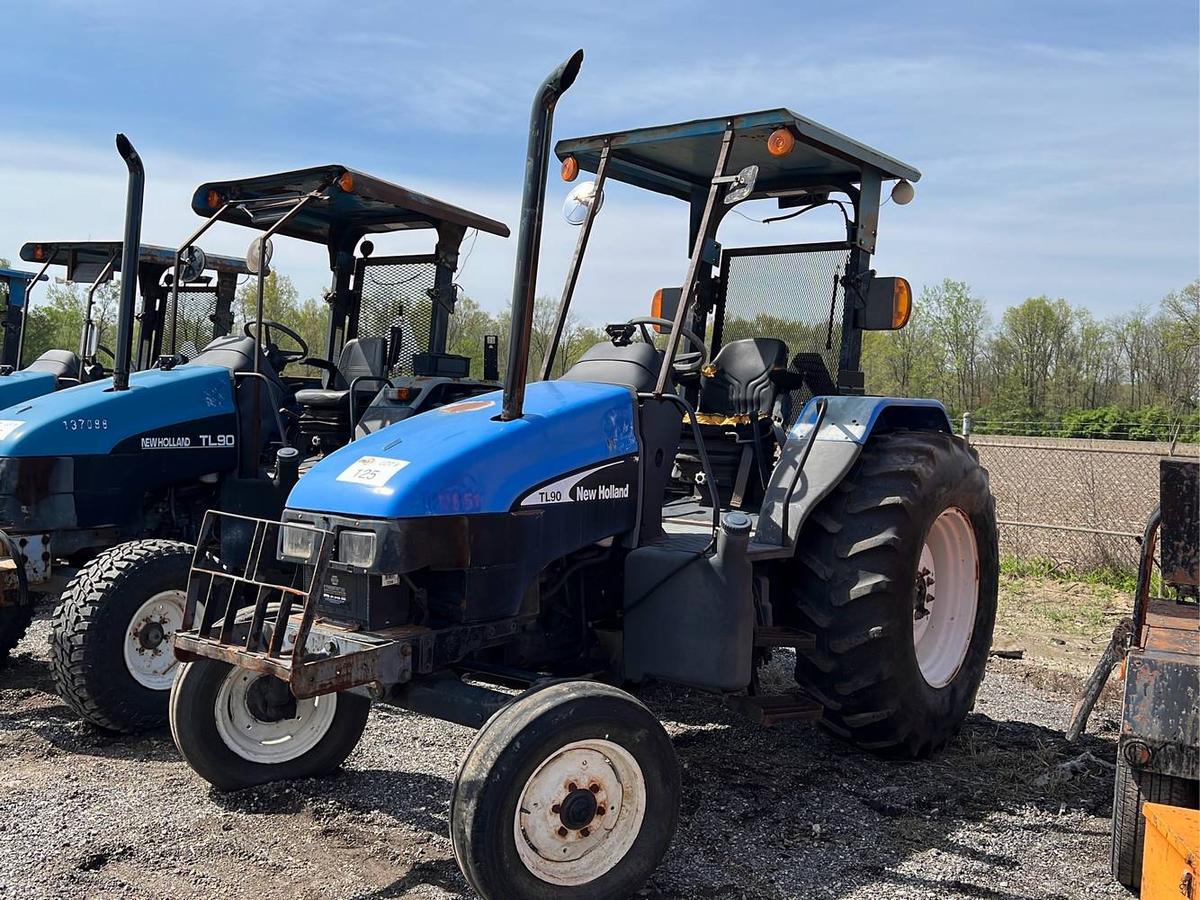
(130, 250)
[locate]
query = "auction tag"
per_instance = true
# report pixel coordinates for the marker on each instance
(373, 471)
(8, 426)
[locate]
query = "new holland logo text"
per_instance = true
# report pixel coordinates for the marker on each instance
(603, 492)
(183, 442)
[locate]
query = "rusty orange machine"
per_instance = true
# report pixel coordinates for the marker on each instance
(1158, 750)
(1171, 855)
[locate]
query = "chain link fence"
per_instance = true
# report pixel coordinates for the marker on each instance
(1079, 503)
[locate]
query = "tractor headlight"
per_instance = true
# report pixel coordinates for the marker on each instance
(298, 543)
(356, 548)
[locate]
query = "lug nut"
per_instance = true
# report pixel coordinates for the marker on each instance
(595, 789)
(600, 810)
(584, 832)
(562, 832)
(572, 786)
(555, 809)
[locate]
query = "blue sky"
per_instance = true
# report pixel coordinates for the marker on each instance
(1059, 142)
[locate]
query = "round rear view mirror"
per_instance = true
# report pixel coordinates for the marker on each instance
(582, 196)
(258, 257)
(192, 263)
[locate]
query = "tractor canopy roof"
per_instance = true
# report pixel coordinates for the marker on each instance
(348, 203)
(678, 160)
(88, 258)
(19, 275)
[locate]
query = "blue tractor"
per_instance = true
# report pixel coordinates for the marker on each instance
(15, 287)
(698, 491)
(201, 313)
(142, 456)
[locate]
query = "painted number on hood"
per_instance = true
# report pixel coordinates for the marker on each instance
(373, 471)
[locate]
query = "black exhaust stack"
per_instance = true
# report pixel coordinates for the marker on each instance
(533, 201)
(130, 255)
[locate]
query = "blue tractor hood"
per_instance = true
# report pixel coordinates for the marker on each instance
(461, 460)
(17, 387)
(93, 419)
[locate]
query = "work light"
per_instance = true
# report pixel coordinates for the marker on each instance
(298, 543)
(356, 548)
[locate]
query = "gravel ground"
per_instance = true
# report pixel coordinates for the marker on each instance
(768, 813)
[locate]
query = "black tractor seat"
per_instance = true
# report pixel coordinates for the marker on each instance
(62, 364)
(326, 410)
(735, 412)
(634, 365)
(237, 355)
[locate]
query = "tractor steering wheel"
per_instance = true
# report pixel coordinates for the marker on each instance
(279, 358)
(686, 363)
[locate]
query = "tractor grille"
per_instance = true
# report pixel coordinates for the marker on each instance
(396, 291)
(793, 293)
(189, 327)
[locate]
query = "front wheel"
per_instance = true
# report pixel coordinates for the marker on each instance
(239, 729)
(571, 791)
(897, 574)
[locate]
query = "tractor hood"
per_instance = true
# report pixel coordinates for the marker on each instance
(17, 387)
(161, 410)
(462, 460)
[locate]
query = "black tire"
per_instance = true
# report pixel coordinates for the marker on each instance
(1131, 790)
(194, 727)
(513, 744)
(853, 584)
(90, 626)
(14, 622)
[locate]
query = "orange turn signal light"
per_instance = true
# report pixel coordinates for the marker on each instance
(656, 310)
(346, 182)
(39, 253)
(781, 142)
(570, 169)
(213, 199)
(901, 303)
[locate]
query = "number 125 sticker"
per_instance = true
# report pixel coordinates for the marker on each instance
(373, 471)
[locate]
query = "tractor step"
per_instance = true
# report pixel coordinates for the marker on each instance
(774, 708)
(780, 636)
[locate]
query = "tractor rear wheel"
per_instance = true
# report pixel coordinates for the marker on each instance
(239, 729)
(897, 574)
(1133, 789)
(110, 638)
(570, 791)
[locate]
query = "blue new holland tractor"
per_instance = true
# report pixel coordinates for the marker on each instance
(15, 287)
(104, 486)
(659, 511)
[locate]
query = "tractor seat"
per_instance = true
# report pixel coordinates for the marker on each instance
(738, 383)
(62, 364)
(360, 357)
(634, 365)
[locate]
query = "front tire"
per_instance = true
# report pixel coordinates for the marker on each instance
(897, 574)
(239, 729)
(110, 637)
(571, 791)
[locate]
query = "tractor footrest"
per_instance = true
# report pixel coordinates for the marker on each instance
(773, 708)
(779, 636)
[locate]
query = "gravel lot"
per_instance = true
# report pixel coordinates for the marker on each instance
(783, 812)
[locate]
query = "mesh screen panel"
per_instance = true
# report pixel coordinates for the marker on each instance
(189, 329)
(787, 293)
(396, 292)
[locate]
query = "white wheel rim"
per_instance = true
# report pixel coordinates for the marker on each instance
(148, 655)
(575, 855)
(266, 740)
(944, 620)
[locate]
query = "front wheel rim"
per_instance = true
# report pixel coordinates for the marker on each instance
(268, 740)
(147, 647)
(946, 597)
(580, 812)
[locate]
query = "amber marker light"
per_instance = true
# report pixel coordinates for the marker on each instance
(901, 303)
(570, 169)
(213, 199)
(39, 253)
(346, 182)
(781, 142)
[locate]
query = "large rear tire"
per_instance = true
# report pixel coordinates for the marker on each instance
(1131, 790)
(897, 574)
(239, 729)
(570, 791)
(110, 638)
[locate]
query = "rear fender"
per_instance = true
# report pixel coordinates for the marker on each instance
(846, 426)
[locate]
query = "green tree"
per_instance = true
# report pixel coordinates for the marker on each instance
(960, 324)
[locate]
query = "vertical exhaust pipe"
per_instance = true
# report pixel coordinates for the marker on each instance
(533, 201)
(130, 255)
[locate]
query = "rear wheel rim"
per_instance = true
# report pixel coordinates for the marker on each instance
(269, 740)
(580, 812)
(945, 597)
(147, 647)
